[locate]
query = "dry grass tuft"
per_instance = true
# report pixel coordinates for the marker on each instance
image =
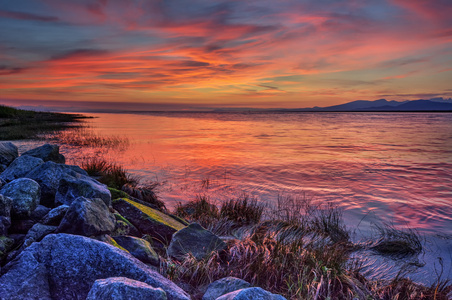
(109, 173)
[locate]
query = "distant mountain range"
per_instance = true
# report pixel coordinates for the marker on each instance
(381, 105)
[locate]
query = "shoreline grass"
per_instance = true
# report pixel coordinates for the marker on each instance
(304, 254)
(17, 124)
(116, 177)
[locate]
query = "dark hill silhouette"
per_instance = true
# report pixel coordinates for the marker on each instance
(435, 104)
(416, 105)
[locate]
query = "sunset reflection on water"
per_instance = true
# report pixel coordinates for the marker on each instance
(398, 166)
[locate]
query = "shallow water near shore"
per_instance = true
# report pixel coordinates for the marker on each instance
(378, 167)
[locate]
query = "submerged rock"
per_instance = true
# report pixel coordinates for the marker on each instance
(251, 294)
(20, 167)
(64, 266)
(25, 194)
(139, 248)
(196, 240)
(47, 152)
(87, 217)
(148, 220)
(8, 153)
(70, 188)
(124, 288)
(224, 286)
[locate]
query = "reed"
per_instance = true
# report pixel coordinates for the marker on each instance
(85, 137)
(397, 243)
(243, 211)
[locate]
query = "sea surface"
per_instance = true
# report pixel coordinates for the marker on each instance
(380, 168)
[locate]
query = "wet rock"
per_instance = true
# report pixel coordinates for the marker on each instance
(5, 206)
(64, 266)
(2, 168)
(5, 223)
(124, 288)
(87, 217)
(47, 152)
(40, 212)
(20, 167)
(71, 188)
(48, 175)
(196, 240)
(8, 153)
(224, 286)
(251, 294)
(25, 194)
(148, 220)
(139, 248)
(55, 216)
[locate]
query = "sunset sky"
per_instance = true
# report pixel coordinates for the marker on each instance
(199, 54)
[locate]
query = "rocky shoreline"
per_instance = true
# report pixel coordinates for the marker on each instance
(62, 236)
(65, 235)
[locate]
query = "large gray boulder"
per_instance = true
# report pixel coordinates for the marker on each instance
(64, 266)
(25, 194)
(20, 167)
(196, 240)
(224, 286)
(26, 280)
(5, 206)
(8, 153)
(139, 248)
(71, 188)
(251, 294)
(121, 288)
(88, 217)
(48, 175)
(47, 152)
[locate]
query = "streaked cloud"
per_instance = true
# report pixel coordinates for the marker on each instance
(300, 53)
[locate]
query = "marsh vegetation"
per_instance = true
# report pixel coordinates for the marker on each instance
(16, 124)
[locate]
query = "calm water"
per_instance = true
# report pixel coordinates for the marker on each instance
(379, 167)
